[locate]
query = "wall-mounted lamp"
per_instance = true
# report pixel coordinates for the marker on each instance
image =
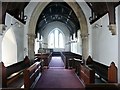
(73, 41)
(39, 40)
(2, 28)
(16, 23)
(42, 42)
(97, 25)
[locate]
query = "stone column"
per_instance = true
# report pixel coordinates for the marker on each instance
(31, 40)
(85, 47)
(2, 29)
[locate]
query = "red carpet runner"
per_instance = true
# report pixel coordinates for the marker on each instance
(58, 78)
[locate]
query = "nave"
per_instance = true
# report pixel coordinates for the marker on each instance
(58, 77)
(85, 35)
(65, 71)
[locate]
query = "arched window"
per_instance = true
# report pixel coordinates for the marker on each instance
(56, 39)
(61, 45)
(51, 41)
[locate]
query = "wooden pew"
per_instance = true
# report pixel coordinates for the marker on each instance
(46, 57)
(68, 57)
(87, 75)
(64, 60)
(12, 72)
(103, 86)
(12, 89)
(31, 75)
(108, 73)
(76, 64)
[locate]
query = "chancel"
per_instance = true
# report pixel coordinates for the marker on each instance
(66, 45)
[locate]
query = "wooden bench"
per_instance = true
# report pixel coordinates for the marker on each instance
(106, 73)
(31, 75)
(87, 75)
(46, 57)
(68, 58)
(103, 86)
(12, 72)
(75, 64)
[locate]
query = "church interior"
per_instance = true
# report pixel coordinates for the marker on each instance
(59, 44)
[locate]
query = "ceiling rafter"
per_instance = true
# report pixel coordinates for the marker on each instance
(58, 11)
(16, 9)
(63, 20)
(97, 12)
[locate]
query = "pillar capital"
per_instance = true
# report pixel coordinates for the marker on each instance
(84, 36)
(112, 28)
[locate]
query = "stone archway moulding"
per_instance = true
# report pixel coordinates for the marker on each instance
(80, 15)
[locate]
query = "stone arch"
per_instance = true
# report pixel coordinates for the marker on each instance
(80, 15)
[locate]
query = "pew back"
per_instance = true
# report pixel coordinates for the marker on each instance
(31, 75)
(44, 56)
(66, 56)
(87, 75)
(17, 66)
(12, 72)
(112, 73)
(108, 73)
(103, 86)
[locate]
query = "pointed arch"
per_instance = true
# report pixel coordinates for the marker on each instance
(80, 15)
(56, 39)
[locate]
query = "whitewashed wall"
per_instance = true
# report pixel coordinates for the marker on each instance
(118, 27)
(76, 47)
(104, 44)
(9, 48)
(13, 41)
(36, 48)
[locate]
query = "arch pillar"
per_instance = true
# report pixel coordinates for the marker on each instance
(2, 29)
(85, 48)
(31, 40)
(83, 28)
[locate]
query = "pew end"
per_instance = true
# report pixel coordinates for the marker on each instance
(112, 73)
(32, 74)
(103, 86)
(87, 75)
(4, 78)
(108, 73)
(11, 74)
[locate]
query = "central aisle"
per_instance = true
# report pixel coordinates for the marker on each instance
(56, 62)
(58, 78)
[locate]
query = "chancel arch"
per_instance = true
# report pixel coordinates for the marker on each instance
(80, 15)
